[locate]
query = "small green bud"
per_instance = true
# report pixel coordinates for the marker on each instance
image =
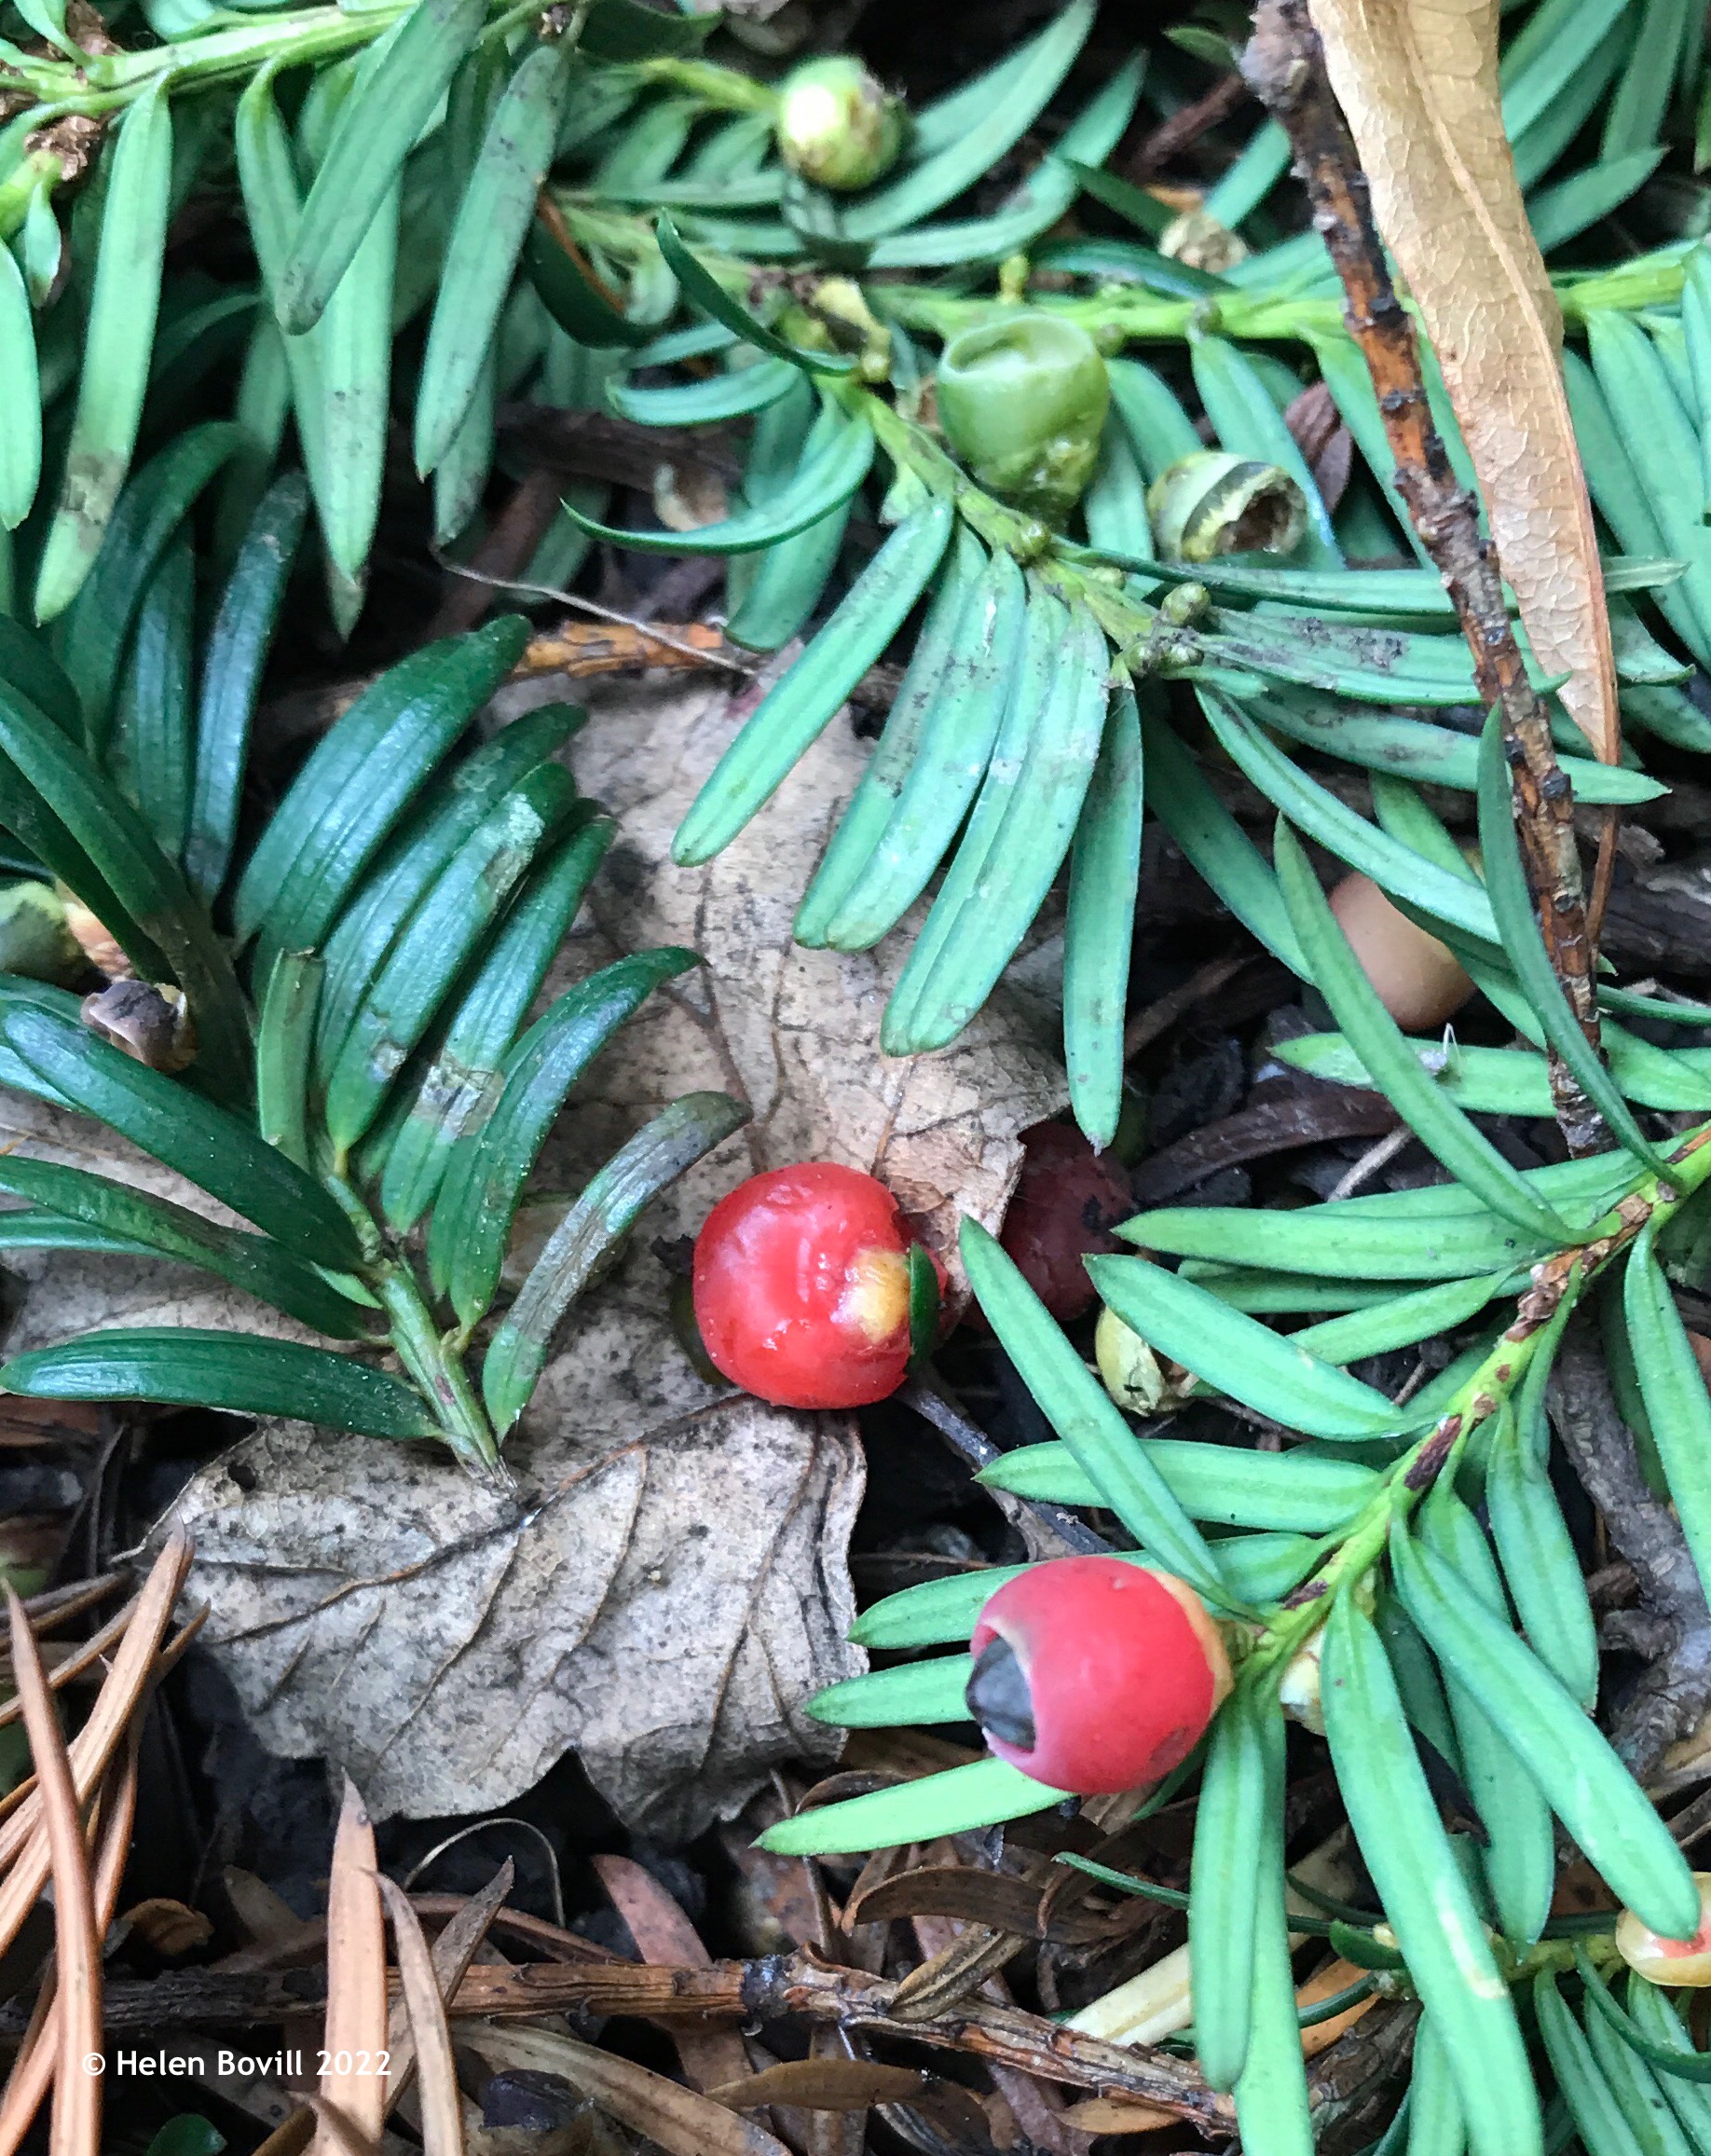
(1209, 504)
(837, 126)
(1197, 240)
(1022, 401)
(1013, 280)
(1183, 603)
(1127, 1365)
(35, 937)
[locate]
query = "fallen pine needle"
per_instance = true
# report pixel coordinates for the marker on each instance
(353, 2095)
(75, 2129)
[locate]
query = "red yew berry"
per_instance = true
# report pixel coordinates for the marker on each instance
(803, 1287)
(1094, 1675)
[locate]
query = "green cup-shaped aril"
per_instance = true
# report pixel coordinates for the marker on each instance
(837, 126)
(1022, 401)
(1209, 504)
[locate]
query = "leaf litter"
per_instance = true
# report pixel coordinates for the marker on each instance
(446, 1645)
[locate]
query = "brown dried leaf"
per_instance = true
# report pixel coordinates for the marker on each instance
(23, 1846)
(33, 2071)
(448, 1643)
(795, 1032)
(167, 1927)
(58, 1606)
(683, 2122)
(267, 1917)
(661, 1932)
(955, 1970)
(665, 1935)
(534, 1932)
(1035, 2106)
(952, 2120)
(1323, 440)
(1418, 82)
(333, 2135)
(821, 2085)
(994, 1899)
(72, 1662)
(441, 2109)
(1113, 2115)
(452, 1954)
(1312, 1117)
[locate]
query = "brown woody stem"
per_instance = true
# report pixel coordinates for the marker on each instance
(795, 1987)
(1284, 67)
(1185, 127)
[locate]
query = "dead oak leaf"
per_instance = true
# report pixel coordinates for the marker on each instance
(662, 1590)
(793, 1032)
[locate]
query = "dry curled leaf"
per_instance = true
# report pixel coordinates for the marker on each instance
(681, 2121)
(823, 2085)
(448, 1643)
(1418, 82)
(1113, 2115)
(442, 2111)
(75, 2128)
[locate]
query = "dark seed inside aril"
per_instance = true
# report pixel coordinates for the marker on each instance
(998, 1696)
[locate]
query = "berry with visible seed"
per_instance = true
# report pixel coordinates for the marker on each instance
(1095, 1675)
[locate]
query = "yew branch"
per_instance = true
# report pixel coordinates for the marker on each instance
(799, 1985)
(1284, 67)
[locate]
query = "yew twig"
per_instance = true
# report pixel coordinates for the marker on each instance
(1284, 66)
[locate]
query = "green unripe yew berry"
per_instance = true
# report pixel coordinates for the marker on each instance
(34, 938)
(1211, 503)
(837, 126)
(1022, 400)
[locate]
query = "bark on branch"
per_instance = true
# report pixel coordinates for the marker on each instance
(1672, 1628)
(1284, 67)
(778, 1987)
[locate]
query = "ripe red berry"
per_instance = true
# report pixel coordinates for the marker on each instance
(1094, 1675)
(802, 1286)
